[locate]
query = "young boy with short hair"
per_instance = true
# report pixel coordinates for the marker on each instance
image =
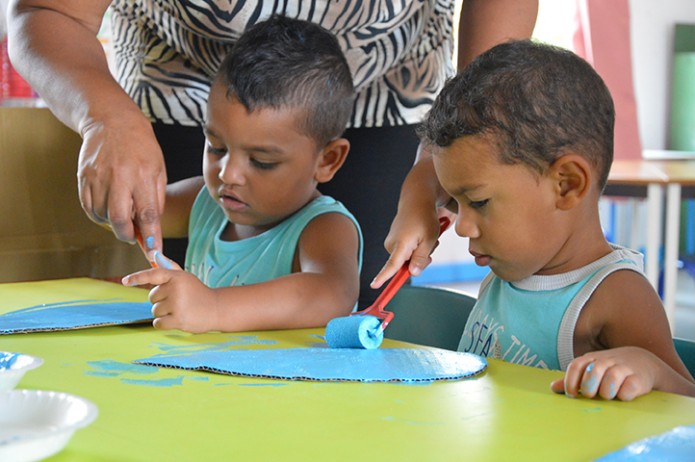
(266, 249)
(522, 144)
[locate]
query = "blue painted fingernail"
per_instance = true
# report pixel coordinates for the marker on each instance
(613, 391)
(593, 383)
(589, 385)
(150, 242)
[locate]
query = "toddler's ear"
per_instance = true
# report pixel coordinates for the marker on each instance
(331, 159)
(573, 177)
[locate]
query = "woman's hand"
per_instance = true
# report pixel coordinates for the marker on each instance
(122, 179)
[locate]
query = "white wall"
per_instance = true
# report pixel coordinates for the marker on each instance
(652, 30)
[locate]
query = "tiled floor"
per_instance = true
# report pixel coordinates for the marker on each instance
(685, 303)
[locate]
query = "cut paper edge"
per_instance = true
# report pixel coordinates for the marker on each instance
(76, 327)
(35, 319)
(469, 365)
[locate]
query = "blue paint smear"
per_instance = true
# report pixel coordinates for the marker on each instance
(677, 445)
(593, 409)
(115, 367)
(236, 341)
(7, 359)
(74, 314)
(109, 368)
(155, 382)
(102, 374)
(331, 364)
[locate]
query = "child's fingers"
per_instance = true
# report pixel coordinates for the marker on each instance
(135, 279)
(163, 323)
(610, 386)
(558, 386)
(574, 374)
(152, 276)
(159, 310)
(591, 379)
(619, 382)
(630, 389)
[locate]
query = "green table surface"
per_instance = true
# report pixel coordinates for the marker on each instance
(149, 414)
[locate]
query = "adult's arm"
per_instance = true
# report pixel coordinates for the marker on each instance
(414, 231)
(486, 23)
(121, 176)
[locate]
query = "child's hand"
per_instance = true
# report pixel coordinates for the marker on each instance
(179, 299)
(623, 373)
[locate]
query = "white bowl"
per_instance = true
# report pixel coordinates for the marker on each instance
(35, 424)
(13, 366)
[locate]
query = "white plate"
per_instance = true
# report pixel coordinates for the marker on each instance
(35, 424)
(13, 366)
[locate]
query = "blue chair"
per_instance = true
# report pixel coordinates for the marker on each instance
(686, 350)
(429, 316)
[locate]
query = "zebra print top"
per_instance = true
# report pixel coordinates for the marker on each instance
(399, 51)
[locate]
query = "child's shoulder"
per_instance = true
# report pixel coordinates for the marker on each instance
(623, 305)
(322, 205)
(330, 233)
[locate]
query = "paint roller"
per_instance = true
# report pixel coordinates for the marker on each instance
(365, 329)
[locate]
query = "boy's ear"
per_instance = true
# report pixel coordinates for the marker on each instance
(331, 158)
(572, 177)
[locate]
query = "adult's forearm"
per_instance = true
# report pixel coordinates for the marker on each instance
(421, 188)
(486, 23)
(59, 54)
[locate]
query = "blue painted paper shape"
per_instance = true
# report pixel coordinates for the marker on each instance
(76, 314)
(677, 445)
(331, 364)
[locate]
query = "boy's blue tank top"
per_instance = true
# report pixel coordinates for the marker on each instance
(532, 321)
(267, 256)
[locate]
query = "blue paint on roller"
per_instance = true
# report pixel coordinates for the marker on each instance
(357, 331)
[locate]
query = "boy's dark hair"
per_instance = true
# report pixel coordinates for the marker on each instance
(537, 101)
(290, 63)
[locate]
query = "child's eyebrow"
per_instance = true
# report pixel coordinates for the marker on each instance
(208, 131)
(466, 189)
(270, 150)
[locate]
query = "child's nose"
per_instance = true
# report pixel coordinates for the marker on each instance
(232, 170)
(465, 226)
